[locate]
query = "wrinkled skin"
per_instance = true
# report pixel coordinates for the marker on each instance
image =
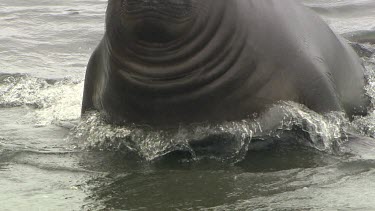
(164, 62)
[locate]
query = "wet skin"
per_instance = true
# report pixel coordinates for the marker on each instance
(163, 63)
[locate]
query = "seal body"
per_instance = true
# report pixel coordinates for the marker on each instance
(184, 61)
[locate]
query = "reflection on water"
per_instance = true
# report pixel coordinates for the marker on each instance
(263, 180)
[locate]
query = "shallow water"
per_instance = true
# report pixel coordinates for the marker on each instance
(50, 160)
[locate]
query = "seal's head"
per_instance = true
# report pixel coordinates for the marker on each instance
(151, 21)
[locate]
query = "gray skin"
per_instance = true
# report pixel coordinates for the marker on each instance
(165, 62)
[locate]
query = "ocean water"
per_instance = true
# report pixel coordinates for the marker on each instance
(50, 159)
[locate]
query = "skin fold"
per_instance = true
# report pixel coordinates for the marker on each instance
(165, 62)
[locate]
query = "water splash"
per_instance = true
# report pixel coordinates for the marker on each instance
(150, 144)
(224, 141)
(322, 132)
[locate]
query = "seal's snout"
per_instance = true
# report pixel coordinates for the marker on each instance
(174, 10)
(152, 31)
(157, 21)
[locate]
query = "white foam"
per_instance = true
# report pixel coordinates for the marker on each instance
(54, 102)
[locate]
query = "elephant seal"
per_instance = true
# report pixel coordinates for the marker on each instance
(165, 62)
